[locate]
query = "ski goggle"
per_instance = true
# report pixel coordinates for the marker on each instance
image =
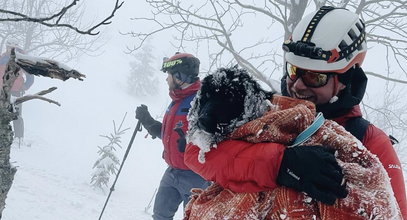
(309, 78)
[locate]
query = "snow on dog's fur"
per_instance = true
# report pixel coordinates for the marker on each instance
(228, 98)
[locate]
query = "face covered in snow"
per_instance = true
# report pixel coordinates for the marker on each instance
(228, 98)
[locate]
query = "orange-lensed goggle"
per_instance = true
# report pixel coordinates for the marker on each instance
(308, 77)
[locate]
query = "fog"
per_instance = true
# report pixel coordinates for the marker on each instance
(55, 161)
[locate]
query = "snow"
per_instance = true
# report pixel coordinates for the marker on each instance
(54, 163)
(34, 59)
(53, 182)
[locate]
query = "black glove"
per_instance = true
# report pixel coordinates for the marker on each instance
(181, 142)
(143, 115)
(153, 127)
(313, 170)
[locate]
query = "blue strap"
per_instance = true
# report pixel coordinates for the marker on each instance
(303, 136)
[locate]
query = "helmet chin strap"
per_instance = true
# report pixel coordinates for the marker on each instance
(177, 85)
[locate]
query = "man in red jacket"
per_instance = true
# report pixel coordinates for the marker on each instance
(323, 65)
(178, 179)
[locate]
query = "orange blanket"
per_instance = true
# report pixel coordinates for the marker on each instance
(370, 194)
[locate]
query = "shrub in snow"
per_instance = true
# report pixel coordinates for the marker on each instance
(108, 162)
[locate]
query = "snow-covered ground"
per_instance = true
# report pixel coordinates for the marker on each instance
(52, 182)
(60, 147)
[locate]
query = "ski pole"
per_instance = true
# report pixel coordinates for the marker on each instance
(138, 128)
(149, 204)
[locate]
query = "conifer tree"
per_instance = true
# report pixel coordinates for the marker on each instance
(142, 80)
(108, 162)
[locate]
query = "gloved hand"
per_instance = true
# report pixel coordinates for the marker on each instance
(153, 127)
(313, 170)
(142, 114)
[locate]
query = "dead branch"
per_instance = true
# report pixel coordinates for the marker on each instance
(44, 92)
(38, 95)
(48, 68)
(30, 97)
(54, 19)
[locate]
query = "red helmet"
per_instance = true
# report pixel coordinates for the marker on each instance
(183, 66)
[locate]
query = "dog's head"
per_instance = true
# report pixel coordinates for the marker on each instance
(227, 99)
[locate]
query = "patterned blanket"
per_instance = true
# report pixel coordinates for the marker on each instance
(370, 194)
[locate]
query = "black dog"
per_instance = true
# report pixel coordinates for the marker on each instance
(227, 99)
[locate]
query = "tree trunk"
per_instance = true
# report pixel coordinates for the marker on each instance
(7, 115)
(6, 170)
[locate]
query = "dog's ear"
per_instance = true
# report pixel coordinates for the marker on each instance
(216, 114)
(222, 100)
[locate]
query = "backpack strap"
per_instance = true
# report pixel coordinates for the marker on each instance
(357, 127)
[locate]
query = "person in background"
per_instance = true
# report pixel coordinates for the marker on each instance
(323, 65)
(178, 180)
(23, 82)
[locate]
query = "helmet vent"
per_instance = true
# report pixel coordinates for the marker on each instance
(306, 38)
(352, 35)
(342, 45)
(359, 26)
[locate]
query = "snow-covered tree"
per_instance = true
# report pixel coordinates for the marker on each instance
(31, 65)
(108, 162)
(142, 80)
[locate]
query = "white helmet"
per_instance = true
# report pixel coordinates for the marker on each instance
(328, 40)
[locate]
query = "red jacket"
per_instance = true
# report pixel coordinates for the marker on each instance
(176, 115)
(248, 167)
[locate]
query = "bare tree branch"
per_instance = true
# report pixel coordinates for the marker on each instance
(385, 78)
(31, 97)
(54, 19)
(38, 95)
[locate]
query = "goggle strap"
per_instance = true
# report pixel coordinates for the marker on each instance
(168, 64)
